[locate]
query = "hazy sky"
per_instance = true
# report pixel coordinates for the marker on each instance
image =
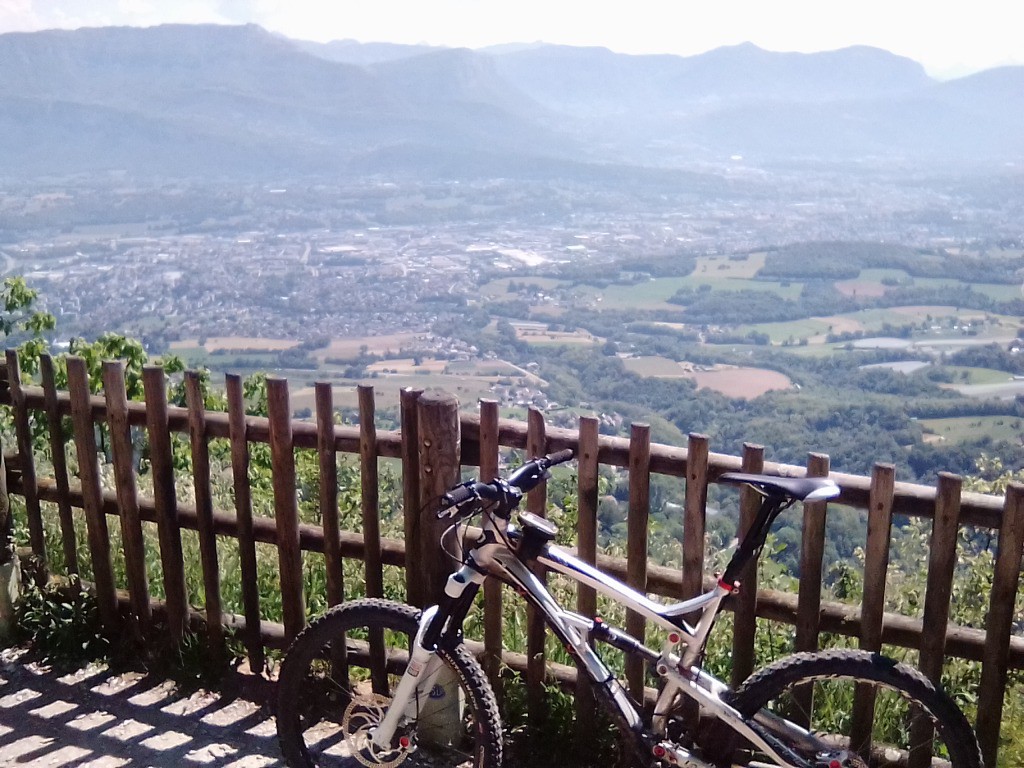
(949, 37)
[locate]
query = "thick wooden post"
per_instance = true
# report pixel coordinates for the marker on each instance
(636, 544)
(440, 449)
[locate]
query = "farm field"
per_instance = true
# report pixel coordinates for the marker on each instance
(214, 344)
(730, 380)
(376, 345)
(966, 428)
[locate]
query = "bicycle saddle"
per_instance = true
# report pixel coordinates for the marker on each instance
(801, 488)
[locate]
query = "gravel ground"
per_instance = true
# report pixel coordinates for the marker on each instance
(98, 718)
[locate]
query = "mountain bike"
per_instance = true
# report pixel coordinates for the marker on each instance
(380, 684)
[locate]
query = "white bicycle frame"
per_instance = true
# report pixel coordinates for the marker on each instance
(676, 662)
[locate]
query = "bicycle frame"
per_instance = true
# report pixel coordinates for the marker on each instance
(490, 556)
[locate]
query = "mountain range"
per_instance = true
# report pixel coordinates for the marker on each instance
(223, 102)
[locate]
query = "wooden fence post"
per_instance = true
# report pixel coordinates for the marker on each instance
(492, 587)
(537, 503)
(440, 449)
(329, 514)
(165, 499)
(745, 617)
(812, 550)
(204, 510)
(636, 544)
(999, 626)
(369, 493)
(941, 563)
(92, 493)
(123, 452)
(55, 429)
(237, 434)
(876, 565)
(694, 505)
(23, 433)
(286, 507)
(586, 546)
(411, 499)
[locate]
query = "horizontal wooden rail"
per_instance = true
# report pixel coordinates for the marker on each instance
(775, 605)
(910, 498)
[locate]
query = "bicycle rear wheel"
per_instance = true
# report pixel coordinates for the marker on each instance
(336, 684)
(887, 714)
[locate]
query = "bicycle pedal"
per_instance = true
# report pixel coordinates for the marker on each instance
(673, 754)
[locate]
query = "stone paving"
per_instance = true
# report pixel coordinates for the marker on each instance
(98, 718)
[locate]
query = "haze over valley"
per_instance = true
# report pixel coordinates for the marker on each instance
(814, 251)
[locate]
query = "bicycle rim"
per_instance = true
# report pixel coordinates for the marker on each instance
(881, 714)
(337, 683)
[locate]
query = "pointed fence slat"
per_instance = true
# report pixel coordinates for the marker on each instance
(165, 503)
(636, 544)
(55, 431)
(286, 506)
(204, 510)
(812, 552)
(1002, 603)
(411, 501)
(941, 564)
(369, 493)
(123, 452)
(695, 502)
(586, 546)
(23, 433)
(876, 565)
(745, 620)
(536, 502)
(243, 512)
(92, 492)
(493, 643)
(328, 487)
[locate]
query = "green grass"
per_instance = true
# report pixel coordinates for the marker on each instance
(966, 375)
(968, 428)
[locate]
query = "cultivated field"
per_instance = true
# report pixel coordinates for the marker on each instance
(730, 380)
(214, 344)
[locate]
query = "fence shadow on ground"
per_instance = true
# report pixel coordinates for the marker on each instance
(100, 718)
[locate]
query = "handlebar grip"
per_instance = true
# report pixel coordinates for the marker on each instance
(458, 494)
(559, 457)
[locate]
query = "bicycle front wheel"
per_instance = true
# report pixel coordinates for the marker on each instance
(336, 684)
(884, 714)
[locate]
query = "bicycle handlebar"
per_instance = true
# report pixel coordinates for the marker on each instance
(507, 492)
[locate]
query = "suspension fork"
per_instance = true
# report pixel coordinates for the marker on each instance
(439, 624)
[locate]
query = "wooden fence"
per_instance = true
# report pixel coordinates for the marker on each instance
(432, 444)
